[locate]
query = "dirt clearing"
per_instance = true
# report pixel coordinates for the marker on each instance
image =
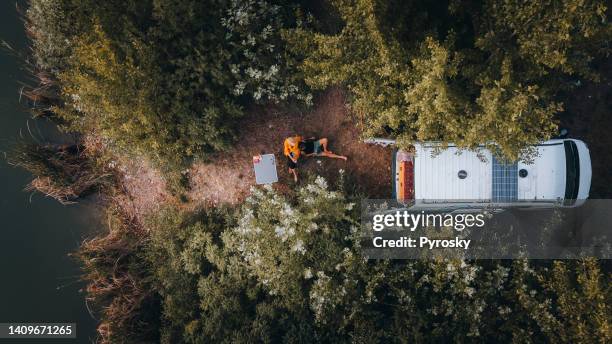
(229, 176)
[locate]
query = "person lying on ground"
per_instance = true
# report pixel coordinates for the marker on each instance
(296, 146)
(314, 147)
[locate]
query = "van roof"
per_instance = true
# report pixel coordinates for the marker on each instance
(437, 174)
(463, 175)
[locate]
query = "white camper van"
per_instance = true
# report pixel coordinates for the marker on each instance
(559, 176)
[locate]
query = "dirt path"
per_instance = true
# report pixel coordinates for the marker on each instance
(228, 178)
(144, 189)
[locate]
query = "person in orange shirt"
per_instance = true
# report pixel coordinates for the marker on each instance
(295, 146)
(291, 150)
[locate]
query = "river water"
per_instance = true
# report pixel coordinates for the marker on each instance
(38, 281)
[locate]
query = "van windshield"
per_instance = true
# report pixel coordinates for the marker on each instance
(572, 165)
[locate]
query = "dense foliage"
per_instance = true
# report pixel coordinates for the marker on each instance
(164, 79)
(263, 69)
(462, 72)
(288, 268)
(168, 79)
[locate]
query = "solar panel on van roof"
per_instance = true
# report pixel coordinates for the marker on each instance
(505, 181)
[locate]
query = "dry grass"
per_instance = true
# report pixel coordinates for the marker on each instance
(116, 278)
(144, 188)
(63, 172)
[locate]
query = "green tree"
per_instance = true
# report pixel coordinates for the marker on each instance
(547, 36)
(467, 73)
(162, 79)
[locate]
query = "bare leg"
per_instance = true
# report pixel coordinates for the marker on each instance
(332, 155)
(323, 143)
(294, 172)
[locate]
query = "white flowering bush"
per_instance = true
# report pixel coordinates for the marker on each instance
(295, 247)
(263, 69)
(303, 250)
(288, 266)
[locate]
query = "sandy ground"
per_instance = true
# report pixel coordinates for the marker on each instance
(228, 176)
(144, 189)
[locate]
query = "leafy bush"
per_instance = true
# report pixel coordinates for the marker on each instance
(288, 267)
(285, 244)
(164, 79)
(263, 68)
(207, 294)
(467, 73)
(49, 24)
